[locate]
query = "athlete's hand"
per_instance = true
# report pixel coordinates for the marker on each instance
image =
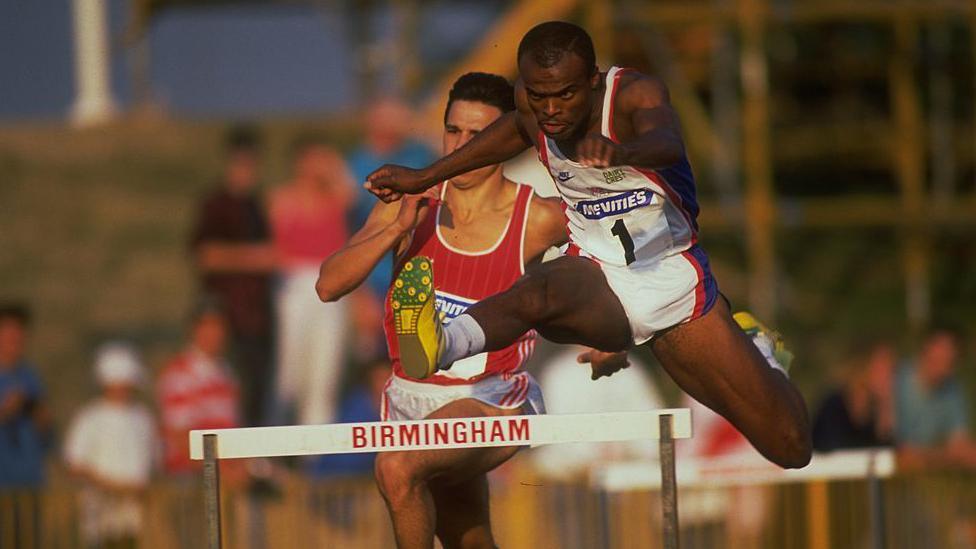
(413, 210)
(598, 152)
(603, 364)
(390, 182)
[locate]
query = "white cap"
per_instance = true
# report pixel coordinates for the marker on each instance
(117, 363)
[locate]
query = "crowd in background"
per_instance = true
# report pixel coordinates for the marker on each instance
(261, 349)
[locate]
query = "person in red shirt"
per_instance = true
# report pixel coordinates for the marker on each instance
(478, 228)
(196, 389)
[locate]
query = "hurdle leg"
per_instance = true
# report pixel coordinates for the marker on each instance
(211, 487)
(669, 485)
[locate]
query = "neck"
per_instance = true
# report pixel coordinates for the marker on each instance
(467, 203)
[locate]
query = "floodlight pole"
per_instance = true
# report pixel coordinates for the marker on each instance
(669, 485)
(211, 487)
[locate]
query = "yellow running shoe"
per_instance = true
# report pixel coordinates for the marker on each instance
(415, 319)
(770, 343)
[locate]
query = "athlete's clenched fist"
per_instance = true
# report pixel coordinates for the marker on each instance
(390, 182)
(598, 152)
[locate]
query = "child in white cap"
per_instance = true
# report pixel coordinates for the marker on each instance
(112, 446)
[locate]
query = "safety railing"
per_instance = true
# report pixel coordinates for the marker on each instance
(530, 511)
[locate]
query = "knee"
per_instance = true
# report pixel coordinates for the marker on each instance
(539, 298)
(397, 475)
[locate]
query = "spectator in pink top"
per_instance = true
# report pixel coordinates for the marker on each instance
(308, 223)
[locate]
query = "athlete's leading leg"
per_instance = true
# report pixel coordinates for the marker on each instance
(718, 365)
(404, 480)
(567, 300)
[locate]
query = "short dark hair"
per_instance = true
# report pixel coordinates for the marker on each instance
(548, 42)
(242, 138)
(18, 312)
(482, 87)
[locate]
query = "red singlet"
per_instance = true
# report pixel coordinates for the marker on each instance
(462, 279)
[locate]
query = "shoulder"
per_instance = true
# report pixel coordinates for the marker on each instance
(638, 90)
(547, 213)
(546, 226)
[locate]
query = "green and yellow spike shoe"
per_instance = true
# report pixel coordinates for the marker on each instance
(770, 343)
(415, 319)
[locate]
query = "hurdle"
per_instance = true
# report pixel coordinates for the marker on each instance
(664, 425)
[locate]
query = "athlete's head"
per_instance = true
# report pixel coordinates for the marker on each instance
(475, 101)
(557, 65)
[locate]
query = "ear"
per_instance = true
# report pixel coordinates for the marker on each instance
(595, 79)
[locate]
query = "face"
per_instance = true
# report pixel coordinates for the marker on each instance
(118, 392)
(561, 96)
(464, 120)
(241, 171)
(210, 334)
(880, 368)
(317, 164)
(12, 340)
(939, 356)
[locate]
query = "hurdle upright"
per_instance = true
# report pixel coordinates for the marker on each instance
(664, 425)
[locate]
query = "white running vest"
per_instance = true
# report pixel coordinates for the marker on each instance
(623, 214)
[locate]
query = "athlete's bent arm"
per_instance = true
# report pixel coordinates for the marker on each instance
(385, 229)
(500, 141)
(649, 137)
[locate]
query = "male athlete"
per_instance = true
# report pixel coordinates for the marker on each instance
(633, 271)
(480, 229)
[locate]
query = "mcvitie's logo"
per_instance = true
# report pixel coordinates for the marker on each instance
(616, 204)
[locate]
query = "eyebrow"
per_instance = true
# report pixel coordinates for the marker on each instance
(556, 93)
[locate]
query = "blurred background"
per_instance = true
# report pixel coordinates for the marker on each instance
(149, 151)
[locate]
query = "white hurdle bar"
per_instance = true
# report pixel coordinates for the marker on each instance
(664, 425)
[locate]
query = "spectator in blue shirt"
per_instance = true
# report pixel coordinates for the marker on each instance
(931, 409)
(24, 420)
(386, 141)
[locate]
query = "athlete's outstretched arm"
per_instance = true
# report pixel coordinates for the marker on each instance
(649, 135)
(388, 225)
(500, 141)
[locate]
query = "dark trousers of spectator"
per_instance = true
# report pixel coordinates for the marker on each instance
(253, 359)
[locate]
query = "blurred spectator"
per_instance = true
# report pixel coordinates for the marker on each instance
(196, 389)
(231, 243)
(361, 404)
(386, 141)
(24, 419)
(25, 428)
(111, 444)
(563, 380)
(308, 222)
(860, 413)
(931, 408)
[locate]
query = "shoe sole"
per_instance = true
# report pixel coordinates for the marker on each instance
(413, 289)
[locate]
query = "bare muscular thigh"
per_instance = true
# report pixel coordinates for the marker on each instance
(567, 300)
